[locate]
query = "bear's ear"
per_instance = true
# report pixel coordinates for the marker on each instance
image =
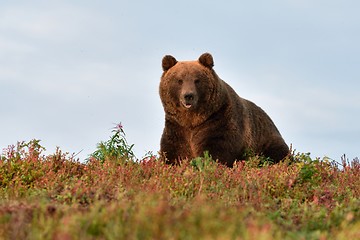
(168, 62)
(207, 60)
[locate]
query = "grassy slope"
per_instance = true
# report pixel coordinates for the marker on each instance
(54, 197)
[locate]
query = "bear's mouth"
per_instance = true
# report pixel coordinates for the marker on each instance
(186, 104)
(188, 100)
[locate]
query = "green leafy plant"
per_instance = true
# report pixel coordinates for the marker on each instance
(202, 163)
(116, 148)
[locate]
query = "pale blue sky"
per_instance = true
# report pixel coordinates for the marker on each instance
(70, 69)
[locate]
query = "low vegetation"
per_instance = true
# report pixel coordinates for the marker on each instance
(114, 196)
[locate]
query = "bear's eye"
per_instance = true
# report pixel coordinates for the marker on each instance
(180, 81)
(197, 81)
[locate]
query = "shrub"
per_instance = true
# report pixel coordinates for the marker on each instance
(116, 148)
(56, 197)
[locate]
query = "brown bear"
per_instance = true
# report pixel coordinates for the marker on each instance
(203, 113)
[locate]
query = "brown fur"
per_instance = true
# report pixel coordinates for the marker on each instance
(203, 113)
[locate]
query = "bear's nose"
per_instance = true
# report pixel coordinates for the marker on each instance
(189, 97)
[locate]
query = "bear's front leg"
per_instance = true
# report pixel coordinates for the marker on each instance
(219, 149)
(174, 144)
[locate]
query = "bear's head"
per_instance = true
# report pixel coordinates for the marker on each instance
(189, 90)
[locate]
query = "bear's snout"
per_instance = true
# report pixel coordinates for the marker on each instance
(189, 97)
(188, 100)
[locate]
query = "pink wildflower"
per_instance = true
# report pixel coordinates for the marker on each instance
(118, 127)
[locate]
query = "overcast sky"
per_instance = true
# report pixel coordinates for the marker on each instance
(69, 70)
